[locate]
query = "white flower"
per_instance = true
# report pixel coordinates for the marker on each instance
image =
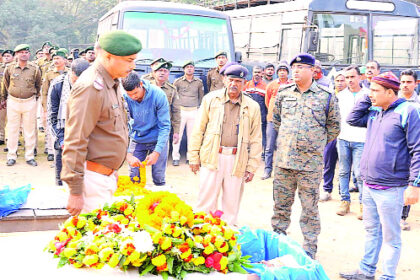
(142, 241)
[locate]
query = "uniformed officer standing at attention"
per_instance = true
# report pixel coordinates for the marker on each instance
(214, 78)
(306, 117)
(7, 58)
(96, 133)
(160, 78)
(47, 57)
(59, 59)
(190, 90)
(90, 54)
(21, 87)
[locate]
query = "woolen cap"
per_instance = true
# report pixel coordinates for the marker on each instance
(387, 80)
(283, 65)
(119, 43)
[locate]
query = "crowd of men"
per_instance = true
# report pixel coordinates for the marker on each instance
(98, 113)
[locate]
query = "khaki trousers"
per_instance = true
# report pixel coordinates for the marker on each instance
(3, 113)
(187, 119)
(21, 110)
(99, 189)
(212, 181)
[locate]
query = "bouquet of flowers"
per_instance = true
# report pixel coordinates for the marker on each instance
(159, 234)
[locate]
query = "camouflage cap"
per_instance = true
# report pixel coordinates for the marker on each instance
(189, 62)
(22, 47)
(219, 53)
(119, 43)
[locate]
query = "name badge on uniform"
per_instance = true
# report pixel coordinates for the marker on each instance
(115, 106)
(290, 99)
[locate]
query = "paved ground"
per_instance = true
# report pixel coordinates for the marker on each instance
(340, 244)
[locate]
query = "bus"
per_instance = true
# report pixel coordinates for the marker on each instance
(338, 33)
(177, 32)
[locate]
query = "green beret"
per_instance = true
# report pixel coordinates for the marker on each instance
(119, 43)
(64, 50)
(7, 51)
(60, 53)
(186, 63)
(159, 65)
(89, 49)
(21, 47)
(51, 51)
(220, 53)
(38, 51)
(160, 59)
(82, 52)
(47, 43)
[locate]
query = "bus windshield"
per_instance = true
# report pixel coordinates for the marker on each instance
(178, 37)
(342, 38)
(395, 40)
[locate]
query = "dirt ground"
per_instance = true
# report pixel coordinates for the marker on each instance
(341, 241)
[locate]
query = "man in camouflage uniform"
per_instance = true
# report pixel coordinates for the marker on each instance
(214, 78)
(306, 117)
(21, 87)
(159, 77)
(59, 59)
(7, 58)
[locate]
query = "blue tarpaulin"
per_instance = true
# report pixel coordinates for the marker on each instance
(264, 245)
(12, 199)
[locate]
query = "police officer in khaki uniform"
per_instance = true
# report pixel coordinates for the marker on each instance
(149, 76)
(47, 57)
(190, 91)
(90, 54)
(21, 87)
(96, 137)
(7, 58)
(59, 62)
(160, 76)
(214, 78)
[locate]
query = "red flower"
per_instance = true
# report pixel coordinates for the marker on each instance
(209, 262)
(114, 228)
(74, 220)
(154, 205)
(214, 261)
(184, 247)
(217, 214)
(59, 246)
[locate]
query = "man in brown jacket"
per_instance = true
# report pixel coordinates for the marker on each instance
(21, 87)
(96, 134)
(226, 143)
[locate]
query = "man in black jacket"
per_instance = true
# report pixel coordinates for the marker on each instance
(58, 94)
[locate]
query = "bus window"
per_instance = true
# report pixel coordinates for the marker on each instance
(265, 36)
(395, 40)
(241, 27)
(290, 43)
(342, 38)
(178, 37)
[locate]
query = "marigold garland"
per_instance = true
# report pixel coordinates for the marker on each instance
(136, 186)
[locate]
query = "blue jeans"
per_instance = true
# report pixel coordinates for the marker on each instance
(330, 161)
(158, 169)
(349, 155)
(270, 147)
(381, 219)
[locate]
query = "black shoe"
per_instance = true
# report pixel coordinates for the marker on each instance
(266, 176)
(355, 275)
(187, 162)
(11, 162)
(50, 157)
(35, 152)
(5, 150)
(41, 129)
(46, 151)
(1, 142)
(175, 162)
(354, 190)
(32, 162)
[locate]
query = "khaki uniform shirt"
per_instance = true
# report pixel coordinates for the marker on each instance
(96, 126)
(21, 83)
(304, 127)
(214, 80)
(50, 75)
(230, 126)
(173, 100)
(148, 77)
(206, 136)
(190, 92)
(43, 64)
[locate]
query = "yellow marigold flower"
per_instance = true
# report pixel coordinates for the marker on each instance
(166, 244)
(136, 178)
(114, 260)
(219, 241)
(135, 255)
(136, 263)
(198, 238)
(71, 231)
(90, 225)
(183, 220)
(177, 232)
(124, 221)
(232, 243)
(90, 259)
(174, 216)
(224, 248)
(209, 249)
(167, 229)
(91, 249)
(77, 264)
(198, 261)
(105, 254)
(186, 254)
(51, 246)
(156, 237)
(207, 238)
(206, 228)
(81, 222)
(223, 263)
(159, 260)
(62, 236)
(129, 210)
(215, 230)
(69, 252)
(228, 233)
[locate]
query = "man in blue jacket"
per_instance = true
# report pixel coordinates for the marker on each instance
(149, 125)
(390, 162)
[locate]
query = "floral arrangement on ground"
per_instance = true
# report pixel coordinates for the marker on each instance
(158, 234)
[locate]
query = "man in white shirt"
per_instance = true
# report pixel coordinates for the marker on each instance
(351, 140)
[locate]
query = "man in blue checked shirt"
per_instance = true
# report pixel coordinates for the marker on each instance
(149, 126)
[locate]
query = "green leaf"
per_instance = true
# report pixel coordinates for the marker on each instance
(122, 260)
(63, 261)
(170, 264)
(232, 257)
(148, 268)
(165, 275)
(150, 229)
(183, 274)
(247, 265)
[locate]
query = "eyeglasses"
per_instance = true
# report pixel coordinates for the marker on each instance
(300, 67)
